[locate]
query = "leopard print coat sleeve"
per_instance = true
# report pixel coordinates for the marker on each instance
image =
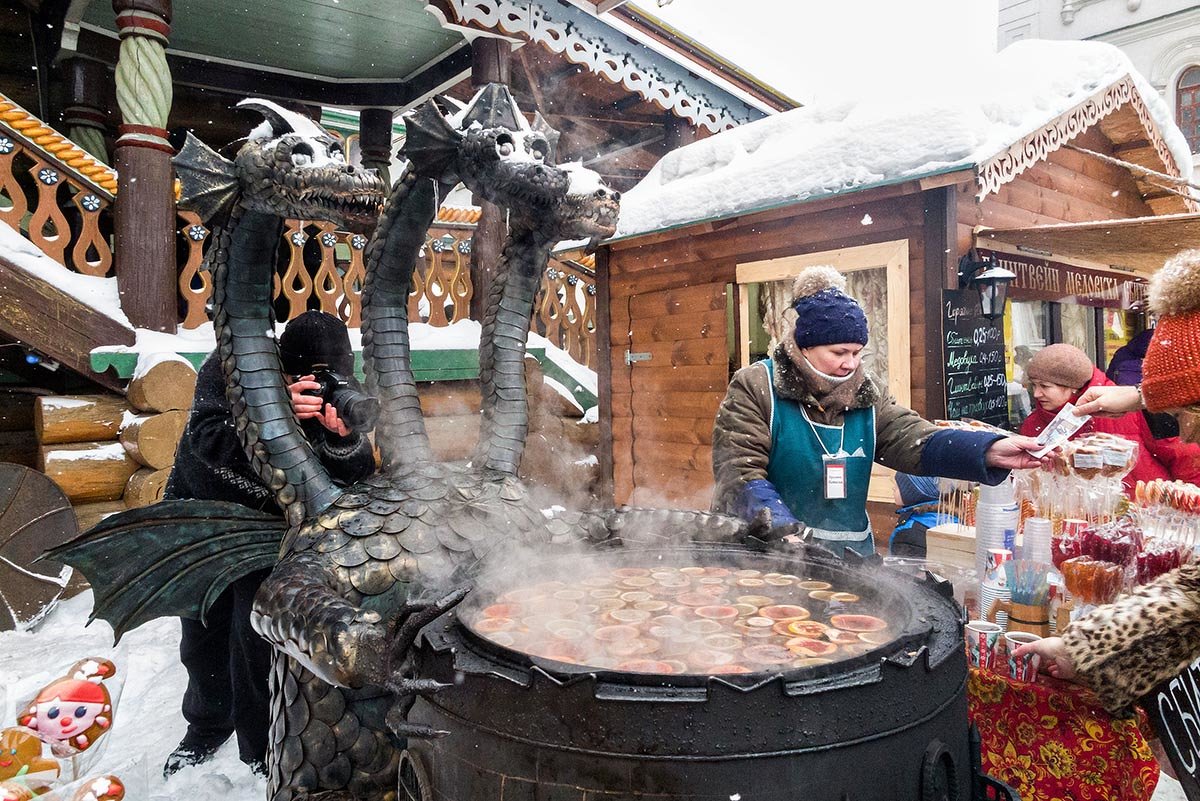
(1124, 649)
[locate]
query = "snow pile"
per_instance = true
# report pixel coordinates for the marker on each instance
(147, 723)
(98, 293)
(954, 120)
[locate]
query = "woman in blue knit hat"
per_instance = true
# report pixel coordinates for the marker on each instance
(797, 433)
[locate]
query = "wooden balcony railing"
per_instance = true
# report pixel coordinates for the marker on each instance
(61, 199)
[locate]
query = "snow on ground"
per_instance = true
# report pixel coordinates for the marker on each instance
(952, 120)
(147, 723)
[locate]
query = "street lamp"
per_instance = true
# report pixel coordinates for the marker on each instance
(989, 279)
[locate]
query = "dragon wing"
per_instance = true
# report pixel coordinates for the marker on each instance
(170, 559)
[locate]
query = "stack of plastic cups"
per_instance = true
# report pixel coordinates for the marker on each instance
(1035, 544)
(996, 518)
(994, 587)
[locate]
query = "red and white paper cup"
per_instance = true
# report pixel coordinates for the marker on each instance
(1023, 668)
(982, 638)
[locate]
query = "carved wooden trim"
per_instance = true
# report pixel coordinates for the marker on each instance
(91, 254)
(1034, 148)
(195, 235)
(48, 228)
(67, 155)
(327, 283)
(559, 35)
(350, 306)
(296, 284)
(14, 215)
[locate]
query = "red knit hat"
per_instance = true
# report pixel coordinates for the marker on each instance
(1171, 369)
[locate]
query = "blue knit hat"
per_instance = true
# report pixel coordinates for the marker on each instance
(825, 314)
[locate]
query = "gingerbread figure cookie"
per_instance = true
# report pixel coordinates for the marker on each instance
(72, 712)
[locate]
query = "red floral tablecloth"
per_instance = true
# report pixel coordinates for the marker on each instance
(1052, 741)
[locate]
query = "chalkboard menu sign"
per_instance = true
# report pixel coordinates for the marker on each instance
(976, 386)
(1174, 711)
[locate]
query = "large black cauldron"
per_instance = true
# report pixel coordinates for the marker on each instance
(888, 724)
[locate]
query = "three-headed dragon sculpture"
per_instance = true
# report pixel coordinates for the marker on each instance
(360, 570)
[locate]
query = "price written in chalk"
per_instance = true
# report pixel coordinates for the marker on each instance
(973, 351)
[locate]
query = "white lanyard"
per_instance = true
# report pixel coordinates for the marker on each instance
(841, 442)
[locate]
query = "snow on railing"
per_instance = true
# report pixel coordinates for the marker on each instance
(61, 199)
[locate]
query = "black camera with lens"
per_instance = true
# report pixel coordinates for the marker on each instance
(358, 409)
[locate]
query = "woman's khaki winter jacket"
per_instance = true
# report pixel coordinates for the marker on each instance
(742, 433)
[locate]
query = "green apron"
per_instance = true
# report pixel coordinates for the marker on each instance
(797, 470)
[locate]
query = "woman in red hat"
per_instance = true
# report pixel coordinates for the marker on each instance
(1061, 374)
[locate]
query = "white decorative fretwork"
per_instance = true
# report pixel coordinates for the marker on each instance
(561, 36)
(1033, 149)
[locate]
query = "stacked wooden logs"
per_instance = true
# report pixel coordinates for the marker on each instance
(109, 453)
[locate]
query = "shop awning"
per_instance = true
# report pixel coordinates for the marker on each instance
(1138, 244)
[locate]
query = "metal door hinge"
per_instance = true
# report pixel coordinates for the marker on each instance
(630, 358)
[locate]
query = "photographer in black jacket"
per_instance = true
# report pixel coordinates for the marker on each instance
(227, 662)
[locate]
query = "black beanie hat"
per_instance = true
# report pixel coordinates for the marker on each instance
(825, 314)
(316, 338)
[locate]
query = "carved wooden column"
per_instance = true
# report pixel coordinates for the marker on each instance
(490, 61)
(375, 140)
(88, 90)
(144, 214)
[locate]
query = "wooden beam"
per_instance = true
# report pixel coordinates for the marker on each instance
(940, 270)
(603, 361)
(56, 324)
(491, 61)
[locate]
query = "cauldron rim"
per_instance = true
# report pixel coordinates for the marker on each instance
(912, 637)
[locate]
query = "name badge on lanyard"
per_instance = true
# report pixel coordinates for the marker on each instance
(835, 476)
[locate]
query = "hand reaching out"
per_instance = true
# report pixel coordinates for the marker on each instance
(1055, 659)
(1109, 401)
(1013, 453)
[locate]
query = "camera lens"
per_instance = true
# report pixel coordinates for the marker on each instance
(360, 411)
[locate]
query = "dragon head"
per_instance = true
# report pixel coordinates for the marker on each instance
(491, 148)
(589, 209)
(289, 166)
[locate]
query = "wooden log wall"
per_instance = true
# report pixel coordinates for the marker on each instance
(560, 450)
(667, 296)
(1067, 187)
(108, 453)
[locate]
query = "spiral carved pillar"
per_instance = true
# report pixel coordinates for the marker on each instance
(88, 87)
(144, 215)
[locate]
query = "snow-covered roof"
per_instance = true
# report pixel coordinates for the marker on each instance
(977, 109)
